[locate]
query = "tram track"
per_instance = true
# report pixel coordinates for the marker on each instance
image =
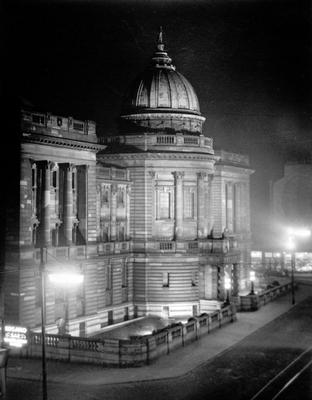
(277, 386)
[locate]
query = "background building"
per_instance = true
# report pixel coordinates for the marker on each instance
(154, 218)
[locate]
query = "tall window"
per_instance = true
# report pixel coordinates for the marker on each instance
(108, 277)
(163, 203)
(34, 189)
(194, 280)
(121, 232)
(166, 279)
(105, 196)
(120, 197)
(35, 221)
(75, 190)
(124, 277)
(229, 206)
(189, 202)
(104, 230)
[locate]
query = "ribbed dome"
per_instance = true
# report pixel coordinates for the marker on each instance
(161, 87)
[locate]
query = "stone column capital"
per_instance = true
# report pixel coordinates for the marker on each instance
(178, 175)
(68, 166)
(114, 189)
(201, 175)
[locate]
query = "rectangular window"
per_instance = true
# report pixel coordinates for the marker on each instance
(229, 206)
(38, 119)
(124, 277)
(121, 232)
(105, 196)
(165, 312)
(104, 230)
(164, 205)
(108, 277)
(194, 278)
(120, 198)
(110, 318)
(34, 189)
(126, 313)
(189, 203)
(166, 279)
(78, 126)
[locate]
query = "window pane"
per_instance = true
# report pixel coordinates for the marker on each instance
(164, 205)
(189, 203)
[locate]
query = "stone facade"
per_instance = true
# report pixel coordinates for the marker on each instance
(154, 218)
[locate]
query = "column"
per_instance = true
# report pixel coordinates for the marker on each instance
(128, 194)
(229, 206)
(113, 231)
(245, 207)
(68, 204)
(235, 280)
(219, 283)
(210, 208)
(45, 217)
(202, 228)
(178, 204)
(237, 207)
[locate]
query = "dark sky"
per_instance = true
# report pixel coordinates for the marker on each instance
(249, 62)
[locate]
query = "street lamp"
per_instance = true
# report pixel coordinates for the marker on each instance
(65, 279)
(294, 233)
(252, 277)
(227, 287)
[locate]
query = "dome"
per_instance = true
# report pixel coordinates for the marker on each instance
(162, 88)
(161, 96)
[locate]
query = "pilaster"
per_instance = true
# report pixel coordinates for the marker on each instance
(68, 204)
(113, 212)
(45, 217)
(178, 204)
(202, 199)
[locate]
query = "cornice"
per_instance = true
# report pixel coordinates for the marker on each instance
(62, 142)
(160, 156)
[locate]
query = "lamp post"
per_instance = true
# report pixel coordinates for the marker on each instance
(43, 318)
(66, 279)
(252, 280)
(227, 287)
(291, 245)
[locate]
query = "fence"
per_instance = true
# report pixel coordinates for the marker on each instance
(136, 351)
(254, 302)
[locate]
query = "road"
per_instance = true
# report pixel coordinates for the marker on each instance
(238, 373)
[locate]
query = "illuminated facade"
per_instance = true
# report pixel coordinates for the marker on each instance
(154, 218)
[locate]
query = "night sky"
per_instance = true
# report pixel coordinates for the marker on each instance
(249, 62)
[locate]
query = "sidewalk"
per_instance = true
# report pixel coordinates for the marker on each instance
(177, 363)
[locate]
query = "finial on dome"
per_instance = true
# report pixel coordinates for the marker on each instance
(161, 58)
(160, 35)
(160, 43)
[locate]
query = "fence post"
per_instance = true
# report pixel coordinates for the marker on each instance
(119, 353)
(168, 346)
(69, 346)
(147, 352)
(182, 334)
(196, 327)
